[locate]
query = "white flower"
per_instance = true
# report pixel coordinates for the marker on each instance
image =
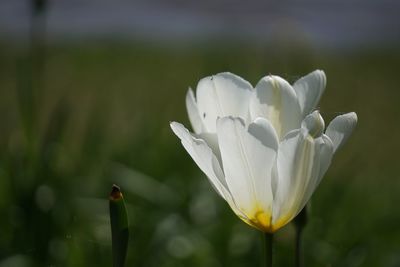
(263, 149)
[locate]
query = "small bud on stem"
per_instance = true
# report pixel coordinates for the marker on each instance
(119, 226)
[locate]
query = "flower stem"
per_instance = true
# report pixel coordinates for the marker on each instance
(268, 247)
(298, 254)
(119, 227)
(300, 222)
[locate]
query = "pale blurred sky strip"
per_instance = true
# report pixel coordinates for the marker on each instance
(331, 22)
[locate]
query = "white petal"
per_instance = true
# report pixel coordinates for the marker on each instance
(309, 90)
(341, 128)
(301, 163)
(264, 131)
(285, 166)
(221, 95)
(313, 124)
(248, 162)
(275, 99)
(327, 151)
(212, 141)
(203, 156)
(193, 112)
(322, 161)
(208, 163)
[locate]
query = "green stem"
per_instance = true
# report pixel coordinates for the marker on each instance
(268, 247)
(298, 253)
(119, 227)
(300, 223)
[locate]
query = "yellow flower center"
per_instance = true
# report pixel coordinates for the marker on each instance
(262, 220)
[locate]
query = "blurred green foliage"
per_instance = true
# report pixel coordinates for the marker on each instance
(101, 116)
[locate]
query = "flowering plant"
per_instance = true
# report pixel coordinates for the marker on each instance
(264, 149)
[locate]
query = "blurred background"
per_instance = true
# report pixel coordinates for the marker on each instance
(87, 90)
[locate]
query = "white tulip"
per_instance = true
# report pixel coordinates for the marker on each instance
(263, 149)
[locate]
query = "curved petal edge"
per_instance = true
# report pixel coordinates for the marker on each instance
(340, 129)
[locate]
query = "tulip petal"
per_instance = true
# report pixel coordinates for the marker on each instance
(309, 90)
(203, 156)
(248, 156)
(322, 161)
(212, 141)
(341, 128)
(208, 163)
(224, 94)
(193, 112)
(285, 166)
(313, 124)
(275, 99)
(264, 131)
(302, 161)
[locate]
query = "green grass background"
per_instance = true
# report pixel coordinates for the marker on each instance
(100, 115)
